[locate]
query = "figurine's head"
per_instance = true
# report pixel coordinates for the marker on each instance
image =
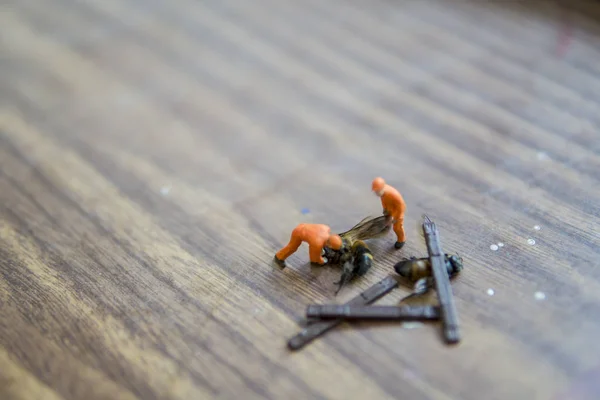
(378, 186)
(334, 242)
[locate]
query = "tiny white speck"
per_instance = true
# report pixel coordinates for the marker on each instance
(490, 292)
(494, 247)
(530, 242)
(541, 155)
(500, 244)
(539, 295)
(412, 325)
(165, 190)
(537, 227)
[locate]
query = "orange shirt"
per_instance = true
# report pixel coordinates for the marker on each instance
(316, 234)
(393, 202)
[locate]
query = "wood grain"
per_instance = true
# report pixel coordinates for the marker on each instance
(155, 155)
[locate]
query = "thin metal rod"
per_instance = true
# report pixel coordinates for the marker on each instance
(441, 282)
(401, 313)
(317, 329)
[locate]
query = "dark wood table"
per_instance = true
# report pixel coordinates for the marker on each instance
(154, 156)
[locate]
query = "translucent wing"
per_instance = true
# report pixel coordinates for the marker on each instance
(422, 286)
(369, 228)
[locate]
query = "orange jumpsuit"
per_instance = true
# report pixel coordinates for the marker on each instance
(394, 205)
(316, 235)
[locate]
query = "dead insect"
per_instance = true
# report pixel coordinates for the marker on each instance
(355, 257)
(416, 268)
(368, 228)
(334, 257)
(355, 262)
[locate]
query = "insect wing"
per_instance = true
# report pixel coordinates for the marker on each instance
(422, 285)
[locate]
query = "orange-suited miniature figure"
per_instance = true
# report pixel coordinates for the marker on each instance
(393, 205)
(317, 236)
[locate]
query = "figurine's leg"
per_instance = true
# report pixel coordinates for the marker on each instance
(290, 249)
(315, 254)
(399, 231)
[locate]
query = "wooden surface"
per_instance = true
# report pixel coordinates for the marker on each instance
(154, 155)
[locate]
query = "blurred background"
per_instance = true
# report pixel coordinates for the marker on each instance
(154, 156)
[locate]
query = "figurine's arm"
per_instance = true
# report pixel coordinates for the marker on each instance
(385, 204)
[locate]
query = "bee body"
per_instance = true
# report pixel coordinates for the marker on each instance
(363, 258)
(354, 256)
(356, 259)
(417, 268)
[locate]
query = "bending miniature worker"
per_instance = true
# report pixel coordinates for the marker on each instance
(393, 204)
(317, 236)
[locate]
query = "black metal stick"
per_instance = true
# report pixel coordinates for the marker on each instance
(441, 281)
(398, 313)
(317, 329)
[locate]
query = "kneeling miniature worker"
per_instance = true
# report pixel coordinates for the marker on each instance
(394, 206)
(317, 236)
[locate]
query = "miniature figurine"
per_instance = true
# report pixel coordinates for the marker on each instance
(394, 205)
(317, 236)
(434, 271)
